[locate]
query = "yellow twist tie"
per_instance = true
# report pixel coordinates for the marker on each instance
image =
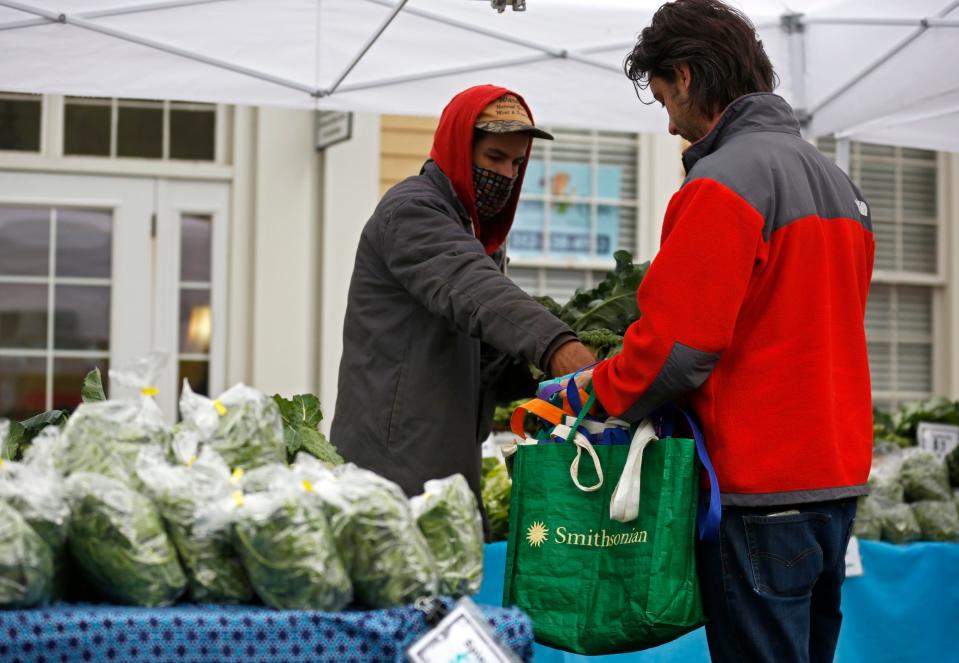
(1, 462)
(220, 409)
(238, 497)
(190, 462)
(150, 391)
(307, 486)
(236, 476)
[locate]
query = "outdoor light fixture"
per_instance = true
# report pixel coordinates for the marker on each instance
(500, 5)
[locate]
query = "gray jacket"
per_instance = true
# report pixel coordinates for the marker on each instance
(429, 323)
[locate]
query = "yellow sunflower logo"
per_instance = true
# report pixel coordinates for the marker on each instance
(537, 534)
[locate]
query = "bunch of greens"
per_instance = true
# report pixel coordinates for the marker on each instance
(118, 540)
(611, 304)
(937, 410)
(884, 430)
(885, 480)
(285, 543)
(449, 519)
(868, 519)
(938, 520)
(899, 523)
(924, 477)
(301, 421)
(602, 342)
(496, 488)
(38, 497)
(386, 555)
(243, 425)
(26, 562)
(184, 495)
(16, 439)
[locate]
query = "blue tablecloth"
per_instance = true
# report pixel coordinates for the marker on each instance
(904, 609)
(65, 633)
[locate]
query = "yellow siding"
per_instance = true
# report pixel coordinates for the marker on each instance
(404, 145)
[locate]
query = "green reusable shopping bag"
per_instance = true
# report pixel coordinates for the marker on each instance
(590, 584)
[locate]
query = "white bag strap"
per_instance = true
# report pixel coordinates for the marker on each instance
(581, 443)
(624, 506)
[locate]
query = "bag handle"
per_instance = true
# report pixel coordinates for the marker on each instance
(582, 444)
(624, 506)
(542, 409)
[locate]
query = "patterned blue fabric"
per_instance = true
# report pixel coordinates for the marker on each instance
(82, 633)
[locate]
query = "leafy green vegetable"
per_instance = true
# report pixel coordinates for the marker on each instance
(243, 425)
(496, 489)
(184, 494)
(386, 555)
(549, 304)
(938, 410)
(38, 497)
(447, 515)
(612, 303)
(286, 546)
(118, 540)
(301, 419)
(924, 477)
(899, 523)
(602, 342)
(868, 519)
(20, 434)
(26, 562)
(93, 387)
(883, 430)
(885, 480)
(938, 520)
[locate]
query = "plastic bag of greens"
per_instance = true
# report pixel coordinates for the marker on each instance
(26, 562)
(938, 520)
(388, 559)
(868, 519)
(885, 479)
(105, 437)
(120, 544)
(242, 425)
(496, 488)
(184, 495)
(286, 546)
(39, 498)
(7, 449)
(899, 524)
(449, 519)
(923, 476)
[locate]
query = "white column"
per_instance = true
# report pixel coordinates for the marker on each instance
(285, 251)
(350, 186)
(240, 267)
(661, 174)
(948, 329)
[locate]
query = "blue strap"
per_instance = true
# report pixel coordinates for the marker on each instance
(710, 513)
(572, 391)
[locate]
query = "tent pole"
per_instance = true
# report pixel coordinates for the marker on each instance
(366, 47)
(792, 25)
(842, 154)
(103, 13)
(886, 22)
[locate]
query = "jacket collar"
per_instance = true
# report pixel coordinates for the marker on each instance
(759, 111)
(443, 184)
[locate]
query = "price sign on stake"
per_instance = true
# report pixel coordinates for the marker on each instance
(940, 439)
(853, 559)
(462, 636)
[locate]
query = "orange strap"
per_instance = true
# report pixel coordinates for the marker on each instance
(541, 409)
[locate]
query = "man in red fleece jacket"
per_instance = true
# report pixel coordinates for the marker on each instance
(753, 312)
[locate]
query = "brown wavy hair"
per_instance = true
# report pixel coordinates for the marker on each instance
(720, 45)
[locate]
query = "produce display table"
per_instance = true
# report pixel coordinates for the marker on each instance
(904, 609)
(71, 633)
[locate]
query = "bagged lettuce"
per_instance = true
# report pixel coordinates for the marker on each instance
(938, 520)
(186, 496)
(26, 562)
(105, 437)
(496, 488)
(885, 479)
(868, 519)
(243, 425)
(118, 540)
(899, 524)
(924, 476)
(284, 541)
(386, 555)
(449, 519)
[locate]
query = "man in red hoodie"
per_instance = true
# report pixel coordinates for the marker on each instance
(432, 321)
(753, 313)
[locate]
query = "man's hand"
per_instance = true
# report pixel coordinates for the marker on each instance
(570, 357)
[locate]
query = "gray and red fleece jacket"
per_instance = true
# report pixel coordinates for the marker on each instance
(754, 310)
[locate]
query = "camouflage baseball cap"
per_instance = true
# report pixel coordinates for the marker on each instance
(506, 115)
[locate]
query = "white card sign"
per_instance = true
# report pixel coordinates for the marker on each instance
(462, 636)
(940, 439)
(332, 127)
(853, 559)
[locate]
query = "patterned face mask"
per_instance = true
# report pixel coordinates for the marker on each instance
(492, 191)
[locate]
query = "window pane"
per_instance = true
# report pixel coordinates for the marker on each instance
(914, 369)
(872, 150)
(84, 243)
(879, 311)
(198, 373)
(68, 377)
(86, 127)
(526, 236)
(914, 304)
(195, 321)
(919, 248)
(24, 241)
(880, 366)
(23, 384)
(878, 184)
(140, 129)
(569, 230)
(568, 178)
(526, 278)
(918, 192)
(884, 232)
(192, 132)
(82, 320)
(20, 122)
(195, 239)
(23, 316)
(562, 283)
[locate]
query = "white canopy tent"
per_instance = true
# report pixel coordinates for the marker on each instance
(878, 70)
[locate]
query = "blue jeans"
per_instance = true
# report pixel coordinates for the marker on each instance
(771, 583)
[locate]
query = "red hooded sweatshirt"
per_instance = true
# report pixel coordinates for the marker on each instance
(453, 153)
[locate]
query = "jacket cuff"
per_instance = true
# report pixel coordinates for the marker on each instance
(558, 342)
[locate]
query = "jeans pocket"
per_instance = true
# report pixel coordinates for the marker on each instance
(784, 552)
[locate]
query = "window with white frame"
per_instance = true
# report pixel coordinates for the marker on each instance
(901, 187)
(578, 206)
(20, 122)
(195, 301)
